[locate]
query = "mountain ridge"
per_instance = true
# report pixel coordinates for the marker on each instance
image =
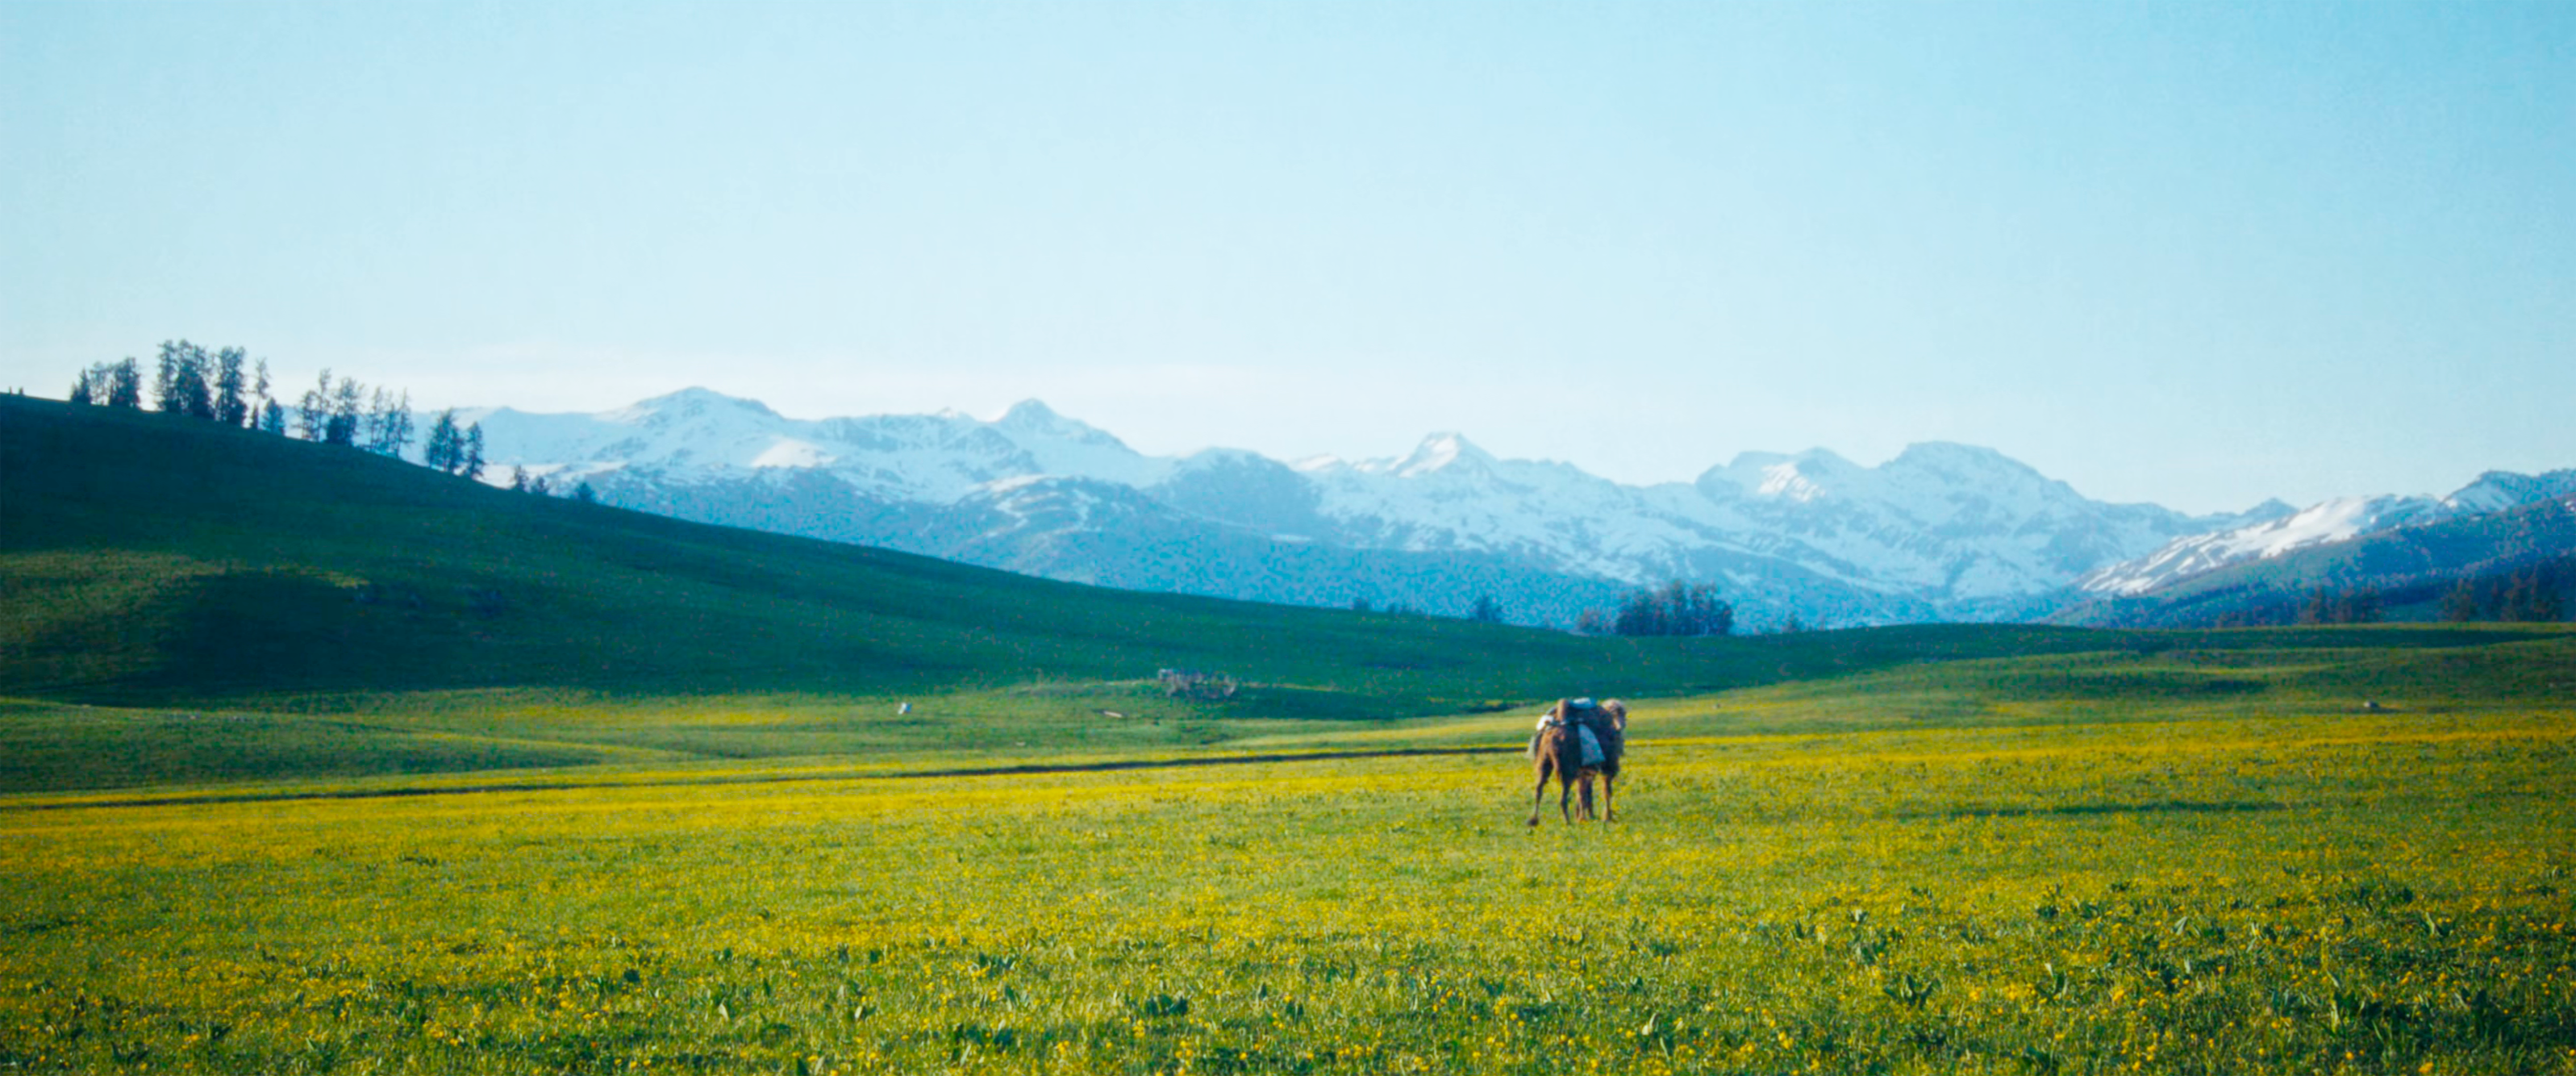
(1942, 530)
(1807, 537)
(2412, 570)
(2327, 523)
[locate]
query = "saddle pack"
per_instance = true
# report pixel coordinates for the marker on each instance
(1582, 715)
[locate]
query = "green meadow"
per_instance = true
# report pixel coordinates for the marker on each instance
(315, 762)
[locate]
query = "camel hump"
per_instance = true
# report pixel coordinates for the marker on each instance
(1591, 744)
(1585, 711)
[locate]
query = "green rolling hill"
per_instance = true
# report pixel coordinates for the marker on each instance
(147, 559)
(143, 557)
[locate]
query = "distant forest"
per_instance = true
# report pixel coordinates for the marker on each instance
(227, 387)
(2533, 594)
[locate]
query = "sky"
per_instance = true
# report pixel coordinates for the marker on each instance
(2199, 254)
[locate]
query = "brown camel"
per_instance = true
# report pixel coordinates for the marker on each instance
(1556, 750)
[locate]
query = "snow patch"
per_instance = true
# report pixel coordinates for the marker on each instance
(792, 454)
(2339, 520)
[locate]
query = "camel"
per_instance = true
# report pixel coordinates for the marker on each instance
(1557, 750)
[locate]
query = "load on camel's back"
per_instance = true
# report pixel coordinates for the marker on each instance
(1578, 739)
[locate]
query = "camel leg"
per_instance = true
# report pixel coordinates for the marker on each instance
(1538, 795)
(1565, 797)
(1587, 795)
(1609, 790)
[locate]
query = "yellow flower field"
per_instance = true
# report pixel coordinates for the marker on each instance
(2363, 893)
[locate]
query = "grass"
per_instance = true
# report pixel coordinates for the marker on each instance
(2202, 857)
(315, 762)
(58, 745)
(2349, 892)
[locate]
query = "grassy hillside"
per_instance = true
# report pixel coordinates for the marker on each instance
(150, 559)
(155, 560)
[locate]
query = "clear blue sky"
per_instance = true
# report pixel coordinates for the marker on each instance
(2192, 253)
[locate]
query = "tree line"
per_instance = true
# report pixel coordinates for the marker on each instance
(228, 388)
(2536, 594)
(523, 482)
(2358, 605)
(1676, 608)
(2533, 594)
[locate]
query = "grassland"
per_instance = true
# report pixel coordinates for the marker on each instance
(417, 776)
(2196, 860)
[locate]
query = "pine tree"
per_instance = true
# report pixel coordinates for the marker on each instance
(2528, 596)
(518, 478)
(1485, 610)
(260, 401)
(583, 493)
(371, 420)
(389, 427)
(80, 393)
(184, 385)
(2359, 605)
(472, 467)
(231, 408)
(313, 412)
(198, 371)
(445, 450)
(1678, 608)
(348, 412)
(125, 385)
(103, 377)
(165, 379)
(1640, 613)
(2460, 605)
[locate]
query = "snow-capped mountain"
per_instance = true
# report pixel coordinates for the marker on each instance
(1941, 531)
(1948, 525)
(2326, 523)
(696, 435)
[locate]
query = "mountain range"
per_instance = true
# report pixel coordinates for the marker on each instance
(1941, 532)
(2326, 523)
